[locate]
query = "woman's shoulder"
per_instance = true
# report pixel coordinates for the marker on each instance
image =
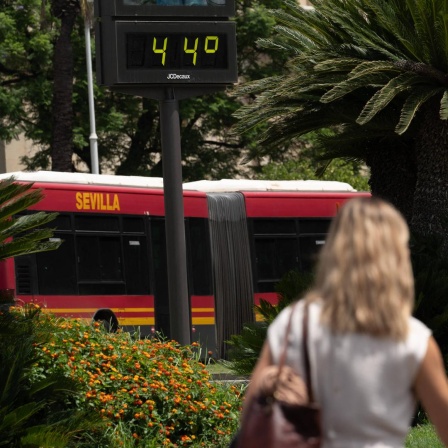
(418, 334)
(418, 329)
(295, 312)
(296, 307)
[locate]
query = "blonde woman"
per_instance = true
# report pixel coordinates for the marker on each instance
(370, 360)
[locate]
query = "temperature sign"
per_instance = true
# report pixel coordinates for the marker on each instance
(182, 52)
(187, 51)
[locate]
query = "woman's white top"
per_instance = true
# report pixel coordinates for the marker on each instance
(362, 383)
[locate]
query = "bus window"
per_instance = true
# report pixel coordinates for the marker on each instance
(136, 264)
(56, 271)
(200, 263)
(309, 250)
(274, 227)
(25, 267)
(99, 265)
(133, 225)
(97, 223)
(281, 245)
(314, 225)
(274, 257)
(312, 238)
(61, 222)
(99, 258)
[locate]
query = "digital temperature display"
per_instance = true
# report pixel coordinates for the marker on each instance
(191, 51)
(189, 45)
(181, 52)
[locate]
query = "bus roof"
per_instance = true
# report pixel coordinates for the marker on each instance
(229, 185)
(206, 186)
(84, 179)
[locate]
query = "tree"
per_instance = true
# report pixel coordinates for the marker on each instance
(374, 71)
(25, 49)
(67, 11)
(305, 168)
(306, 163)
(128, 127)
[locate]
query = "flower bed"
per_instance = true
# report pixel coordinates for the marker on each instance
(157, 389)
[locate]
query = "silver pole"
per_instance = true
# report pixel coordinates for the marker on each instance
(93, 137)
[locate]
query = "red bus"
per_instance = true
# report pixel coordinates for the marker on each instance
(242, 236)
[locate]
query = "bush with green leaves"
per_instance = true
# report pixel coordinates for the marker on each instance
(36, 411)
(150, 392)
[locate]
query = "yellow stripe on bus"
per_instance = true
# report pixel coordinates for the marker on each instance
(203, 321)
(136, 321)
(93, 310)
(151, 321)
(208, 320)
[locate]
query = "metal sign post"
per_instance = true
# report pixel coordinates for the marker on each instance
(168, 52)
(174, 219)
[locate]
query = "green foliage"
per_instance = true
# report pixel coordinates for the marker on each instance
(347, 65)
(372, 73)
(149, 392)
(25, 59)
(128, 127)
(28, 237)
(245, 348)
(423, 436)
(305, 168)
(35, 412)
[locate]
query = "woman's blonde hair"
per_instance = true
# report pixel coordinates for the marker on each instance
(364, 275)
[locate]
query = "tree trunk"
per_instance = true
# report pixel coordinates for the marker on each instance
(431, 194)
(62, 108)
(137, 161)
(393, 176)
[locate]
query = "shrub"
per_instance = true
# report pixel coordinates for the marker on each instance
(35, 411)
(156, 389)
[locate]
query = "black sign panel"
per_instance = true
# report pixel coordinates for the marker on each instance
(171, 53)
(153, 43)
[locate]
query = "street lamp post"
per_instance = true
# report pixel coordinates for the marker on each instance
(93, 138)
